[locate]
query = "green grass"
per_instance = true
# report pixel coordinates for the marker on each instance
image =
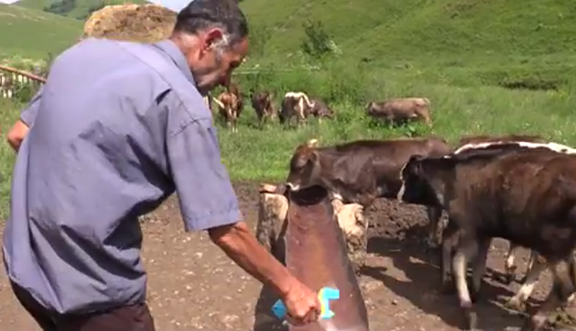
(9, 113)
(81, 10)
(33, 33)
(458, 53)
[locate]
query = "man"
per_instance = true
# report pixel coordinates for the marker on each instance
(117, 128)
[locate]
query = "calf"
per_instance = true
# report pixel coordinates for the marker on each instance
(229, 108)
(401, 110)
(295, 104)
(320, 110)
(519, 193)
(535, 265)
(468, 142)
(233, 88)
(262, 102)
(360, 171)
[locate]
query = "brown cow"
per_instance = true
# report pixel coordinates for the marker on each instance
(263, 105)
(467, 142)
(360, 171)
(295, 104)
(535, 265)
(521, 192)
(401, 110)
(233, 88)
(320, 110)
(229, 108)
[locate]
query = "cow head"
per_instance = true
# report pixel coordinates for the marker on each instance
(326, 112)
(304, 166)
(418, 185)
(371, 108)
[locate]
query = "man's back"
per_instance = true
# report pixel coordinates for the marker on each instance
(92, 162)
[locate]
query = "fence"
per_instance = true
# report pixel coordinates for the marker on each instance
(11, 79)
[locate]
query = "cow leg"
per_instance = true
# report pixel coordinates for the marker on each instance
(450, 240)
(562, 290)
(467, 249)
(479, 269)
(510, 266)
(434, 237)
(535, 268)
(235, 122)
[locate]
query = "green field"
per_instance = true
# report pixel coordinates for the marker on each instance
(81, 9)
(34, 33)
(487, 66)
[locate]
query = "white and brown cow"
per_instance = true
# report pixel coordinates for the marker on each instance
(229, 109)
(520, 191)
(295, 104)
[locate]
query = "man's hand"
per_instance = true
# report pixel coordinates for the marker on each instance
(16, 134)
(240, 245)
(302, 304)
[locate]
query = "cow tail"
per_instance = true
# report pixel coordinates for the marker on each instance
(310, 104)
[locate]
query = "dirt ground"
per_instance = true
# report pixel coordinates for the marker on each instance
(194, 286)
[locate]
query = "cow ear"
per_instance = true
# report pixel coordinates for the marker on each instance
(414, 164)
(312, 143)
(416, 158)
(313, 156)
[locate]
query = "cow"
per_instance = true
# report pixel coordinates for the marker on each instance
(534, 267)
(522, 192)
(263, 105)
(295, 104)
(229, 109)
(363, 170)
(272, 212)
(401, 110)
(320, 110)
(467, 142)
(233, 88)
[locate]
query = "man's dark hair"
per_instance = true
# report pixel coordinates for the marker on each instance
(204, 14)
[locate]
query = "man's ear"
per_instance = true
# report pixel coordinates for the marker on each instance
(212, 37)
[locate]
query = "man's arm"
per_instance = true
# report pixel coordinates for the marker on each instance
(20, 129)
(208, 202)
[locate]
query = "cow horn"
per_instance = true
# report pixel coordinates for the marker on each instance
(312, 143)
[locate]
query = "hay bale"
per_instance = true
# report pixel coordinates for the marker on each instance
(131, 22)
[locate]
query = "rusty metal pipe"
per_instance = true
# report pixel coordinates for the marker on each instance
(316, 254)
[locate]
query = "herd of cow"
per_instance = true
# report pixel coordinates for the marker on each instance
(517, 187)
(300, 106)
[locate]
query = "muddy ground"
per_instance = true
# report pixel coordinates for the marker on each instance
(194, 286)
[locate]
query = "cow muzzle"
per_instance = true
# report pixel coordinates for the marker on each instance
(292, 186)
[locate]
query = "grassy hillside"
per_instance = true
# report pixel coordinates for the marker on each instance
(33, 33)
(81, 10)
(492, 40)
